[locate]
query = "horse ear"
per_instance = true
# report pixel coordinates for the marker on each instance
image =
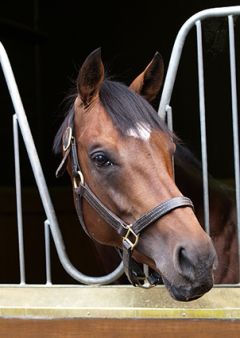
(149, 82)
(90, 77)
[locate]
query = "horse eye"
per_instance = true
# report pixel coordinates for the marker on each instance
(101, 160)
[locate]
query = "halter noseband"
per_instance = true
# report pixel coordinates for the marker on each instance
(129, 232)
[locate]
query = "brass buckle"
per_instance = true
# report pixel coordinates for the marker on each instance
(67, 136)
(132, 242)
(78, 179)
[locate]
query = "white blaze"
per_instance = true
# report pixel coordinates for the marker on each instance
(140, 131)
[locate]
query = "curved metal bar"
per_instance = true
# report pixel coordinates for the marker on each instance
(178, 47)
(72, 271)
(41, 183)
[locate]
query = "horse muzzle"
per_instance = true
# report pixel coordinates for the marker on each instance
(188, 292)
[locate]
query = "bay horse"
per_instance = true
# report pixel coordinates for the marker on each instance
(118, 154)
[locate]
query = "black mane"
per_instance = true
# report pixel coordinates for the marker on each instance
(127, 110)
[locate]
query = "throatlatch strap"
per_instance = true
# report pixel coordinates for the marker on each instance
(134, 273)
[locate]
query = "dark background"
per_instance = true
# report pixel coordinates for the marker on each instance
(47, 41)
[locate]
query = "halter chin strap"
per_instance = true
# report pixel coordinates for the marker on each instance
(129, 232)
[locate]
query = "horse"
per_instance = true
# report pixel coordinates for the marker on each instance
(118, 154)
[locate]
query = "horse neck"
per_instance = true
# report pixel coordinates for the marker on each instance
(188, 174)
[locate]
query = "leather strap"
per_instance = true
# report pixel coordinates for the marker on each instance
(62, 166)
(159, 211)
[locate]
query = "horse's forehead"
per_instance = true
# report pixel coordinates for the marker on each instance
(96, 122)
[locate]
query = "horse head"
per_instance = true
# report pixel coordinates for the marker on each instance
(119, 157)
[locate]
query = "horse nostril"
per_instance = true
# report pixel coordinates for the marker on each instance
(183, 264)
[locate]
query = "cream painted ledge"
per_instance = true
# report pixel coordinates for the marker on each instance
(114, 302)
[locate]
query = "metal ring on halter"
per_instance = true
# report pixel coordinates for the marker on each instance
(78, 179)
(67, 137)
(129, 233)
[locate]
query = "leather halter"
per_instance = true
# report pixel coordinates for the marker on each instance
(129, 232)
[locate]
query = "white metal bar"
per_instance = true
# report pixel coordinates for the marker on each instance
(203, 126)
(18, 200)
(235, 121)
(47, 253)
(169, 118)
